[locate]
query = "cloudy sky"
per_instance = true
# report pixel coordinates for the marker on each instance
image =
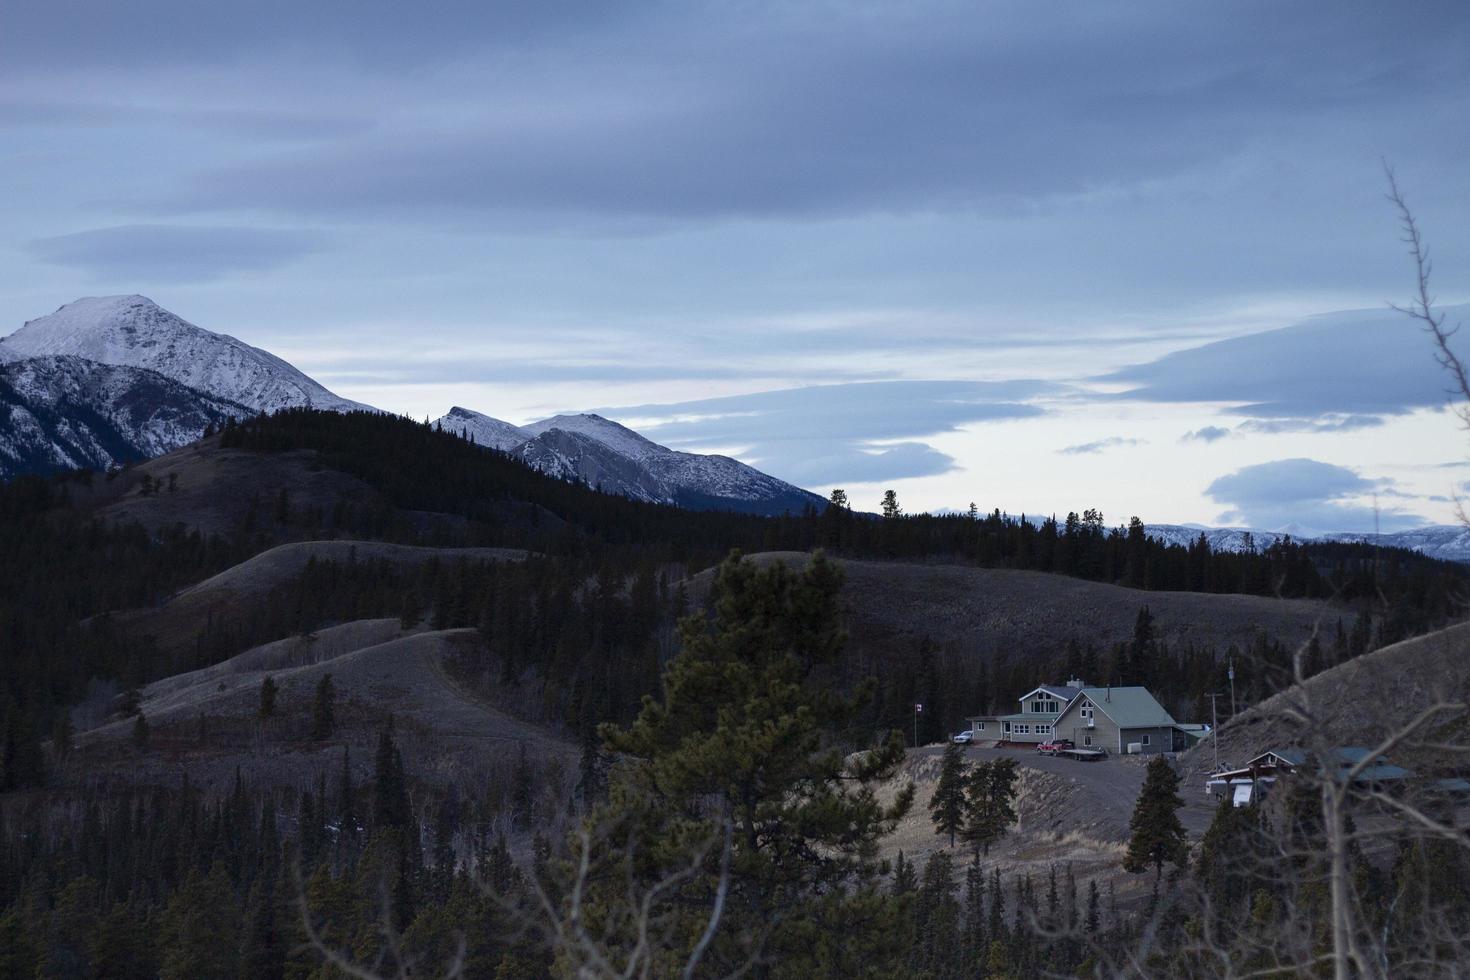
(1133, 256)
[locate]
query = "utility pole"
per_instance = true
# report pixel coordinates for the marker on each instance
(1214, 730)
(1232, 687)
(918, 709)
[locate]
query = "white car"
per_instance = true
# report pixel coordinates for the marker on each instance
(963, 738)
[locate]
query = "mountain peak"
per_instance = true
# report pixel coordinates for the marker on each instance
(133, 331)
(489, 432)
(611, 434)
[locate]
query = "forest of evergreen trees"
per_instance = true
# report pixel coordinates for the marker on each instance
(596, 651)
(746, 744)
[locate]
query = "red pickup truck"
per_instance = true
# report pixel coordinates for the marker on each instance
(1054, 746)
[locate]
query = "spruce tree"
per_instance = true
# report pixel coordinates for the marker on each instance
(390, 792)
(741, 743)
(323, 722)
(140, 731)
(268, 691)
(990, 796)
(1157, 837)
(904, 879)
(947, 805)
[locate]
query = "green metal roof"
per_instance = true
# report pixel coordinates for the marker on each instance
(1127, 707)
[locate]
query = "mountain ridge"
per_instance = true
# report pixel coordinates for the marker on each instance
(133, 331)
(614, 458)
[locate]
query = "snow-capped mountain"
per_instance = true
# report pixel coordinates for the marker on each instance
(134, 331)
(1447, 542)
(616, 459)
(61, 413)
(483, 430)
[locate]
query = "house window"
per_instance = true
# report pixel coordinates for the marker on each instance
(1086, 712)
(1023, 729)
(1086, 739)
(1005, 726)
(1146, 739)
(979, 726)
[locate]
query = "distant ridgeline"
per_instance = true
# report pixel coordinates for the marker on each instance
(421, 469)
(57, 635)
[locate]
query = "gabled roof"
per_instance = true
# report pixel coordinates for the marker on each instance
(1347, 756)
(1126, 707)
(1064, 694)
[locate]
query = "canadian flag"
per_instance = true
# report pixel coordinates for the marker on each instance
(918, 708)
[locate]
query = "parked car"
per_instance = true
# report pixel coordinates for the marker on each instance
(963, 738)
(1054, 746)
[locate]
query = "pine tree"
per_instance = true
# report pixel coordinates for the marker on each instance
(140, 731)
(1157, 835)
(522, 797)
(201, 930)
(346, 802)
(947, 805)
(742, 734)
(1094, 908)
(890, 506)
(322, 709)
(990, 795)
(390, 792)
(268, 691)
(904, 879)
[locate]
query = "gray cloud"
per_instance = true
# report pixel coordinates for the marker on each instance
(838, 433)
(1307, 494)
(860, 110)
(1112, 442)
(1209, 433)
(175, 253)
(1338, 370)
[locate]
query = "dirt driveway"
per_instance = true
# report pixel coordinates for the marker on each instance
(1112, 784)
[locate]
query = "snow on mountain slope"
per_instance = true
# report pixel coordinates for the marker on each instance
(134, 331)
(1447, 542)
(489, 432)
(620, 438)
(667, 476)
(68, 413)
(577, 456)
(614, 458)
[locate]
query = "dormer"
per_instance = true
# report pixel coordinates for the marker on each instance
(1046, 700)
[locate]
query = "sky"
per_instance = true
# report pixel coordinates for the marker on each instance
(1042, 257)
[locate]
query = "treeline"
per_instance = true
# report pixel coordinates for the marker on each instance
(953, 687)
(169, 883)
(66, 573)
(419, 468)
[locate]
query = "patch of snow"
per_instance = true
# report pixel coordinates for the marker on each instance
(133, 331)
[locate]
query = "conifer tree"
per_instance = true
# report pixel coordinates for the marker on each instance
(201, 929)
(323, 722)
(904, 879)
(521, 795)
(990, 794)
(1157, 836)
(890, 506)
(268, 691)
(740, 748)
(1094, 908)
(947, 805)
(390, 792)
(141, 733)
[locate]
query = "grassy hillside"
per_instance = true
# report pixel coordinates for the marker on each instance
(1356, 703)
